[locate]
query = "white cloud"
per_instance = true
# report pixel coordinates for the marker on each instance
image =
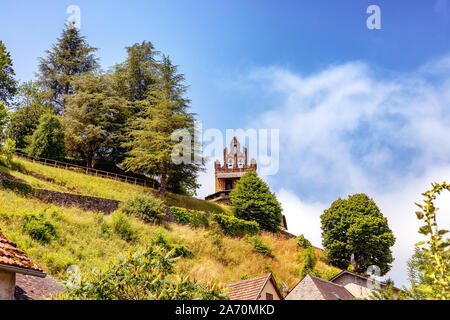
(349, 129)
(302, 217)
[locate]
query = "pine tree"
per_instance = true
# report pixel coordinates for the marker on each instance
(136, 77)
(8, 85)
(70, 56)
(163, 112)
(48, 139)
(95, 116)
(252, 200)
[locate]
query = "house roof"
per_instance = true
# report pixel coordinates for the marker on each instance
(14, 259)
(34, 288)
(314, 288)
(250, 289)
(364, 277)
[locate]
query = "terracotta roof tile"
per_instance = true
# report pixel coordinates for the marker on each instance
(11, 255)
(247, 289)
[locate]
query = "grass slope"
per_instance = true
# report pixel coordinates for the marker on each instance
(88, 240)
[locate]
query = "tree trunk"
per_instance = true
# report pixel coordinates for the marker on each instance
(163, 185)
(89, 162)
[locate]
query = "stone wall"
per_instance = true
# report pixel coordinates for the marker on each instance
(87, 203)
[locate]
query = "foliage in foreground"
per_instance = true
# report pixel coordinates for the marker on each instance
(434, 279)
(144, 275)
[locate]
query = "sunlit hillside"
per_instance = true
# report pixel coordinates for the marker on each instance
(88, 240)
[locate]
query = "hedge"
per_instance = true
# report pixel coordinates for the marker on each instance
(190, 217)
(236, 227)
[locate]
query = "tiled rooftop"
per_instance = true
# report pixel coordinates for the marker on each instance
(247, 289)
(12, 256)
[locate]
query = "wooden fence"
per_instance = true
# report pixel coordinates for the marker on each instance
(89, 171)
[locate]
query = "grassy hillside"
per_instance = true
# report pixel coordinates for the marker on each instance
(88, 240)
(69, 181)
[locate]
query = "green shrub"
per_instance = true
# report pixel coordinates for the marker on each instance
(122, 226)
(302, 242)
(236, 227)
(145, 207)
(179, 250)
(16, 186)
(143, 275)
(39, 228)
(329, 274)
(252, 200)
(309, 260)
(217, 238)
(260, 246)
(190, 217)
(47, 140)
(244, 276)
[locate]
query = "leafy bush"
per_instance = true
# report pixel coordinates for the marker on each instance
(39, 228)
(8, 149)
(190, 217)
(146, 207)
(48, 139)
(252, 200)
(144, 275)
(178, 249)
(329, 274)
(236, 227)
(122, 226)
(302, 242)
(308, 262)
(217, 238)
(260, 246)
(16, 186)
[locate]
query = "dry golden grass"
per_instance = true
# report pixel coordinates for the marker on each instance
(80, 240)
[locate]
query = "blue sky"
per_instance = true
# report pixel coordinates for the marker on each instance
(358, 110)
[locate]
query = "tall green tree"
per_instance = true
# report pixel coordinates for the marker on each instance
(30, 105)
(355, 226)
(164, 111)
(136, 77)
(252, 200)
(48, 139)
(8, 85)
(133, 80)
(70, 56)
(95, 116)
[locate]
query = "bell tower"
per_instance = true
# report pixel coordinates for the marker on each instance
(235, 165)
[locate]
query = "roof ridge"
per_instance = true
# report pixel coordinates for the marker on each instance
(321, 290)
